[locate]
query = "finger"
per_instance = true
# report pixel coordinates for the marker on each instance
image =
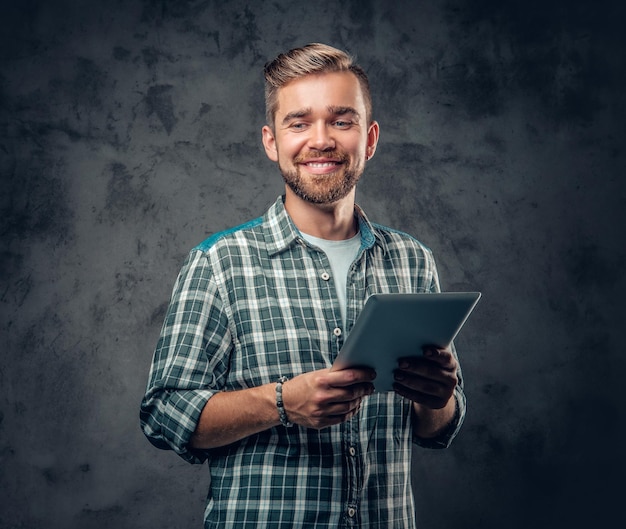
(349, 377)
(439, 383)
(444, 356)
(431, 401)
(444, 360)
(348, 394)
(336, 414)
(428, 371)
(344, 408)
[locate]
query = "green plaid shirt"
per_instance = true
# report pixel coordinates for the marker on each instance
(256, 303)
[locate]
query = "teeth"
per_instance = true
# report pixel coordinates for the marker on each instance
(320, 165)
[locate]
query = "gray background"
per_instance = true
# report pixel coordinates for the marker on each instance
(130, 131)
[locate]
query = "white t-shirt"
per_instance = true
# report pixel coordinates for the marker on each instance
(341, 255)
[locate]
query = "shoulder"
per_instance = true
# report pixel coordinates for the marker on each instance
(231, 236)
(399, 241)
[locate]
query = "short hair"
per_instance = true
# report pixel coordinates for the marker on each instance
(310, 59)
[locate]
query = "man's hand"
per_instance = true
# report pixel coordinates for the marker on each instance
(428, 380)
(322, 398)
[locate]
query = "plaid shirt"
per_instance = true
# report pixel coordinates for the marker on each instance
(256, 303)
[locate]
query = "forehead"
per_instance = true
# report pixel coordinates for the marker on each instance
(319, 92)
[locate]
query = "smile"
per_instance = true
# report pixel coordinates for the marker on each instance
(321, 165)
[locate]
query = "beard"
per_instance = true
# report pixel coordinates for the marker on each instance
(326, 188)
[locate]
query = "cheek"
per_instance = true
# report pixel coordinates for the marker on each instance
(357, 145)
(290, 148)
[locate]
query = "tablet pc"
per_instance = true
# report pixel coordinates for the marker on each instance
(392, 326)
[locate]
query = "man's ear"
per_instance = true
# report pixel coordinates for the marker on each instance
(269, 142)
(373, 133)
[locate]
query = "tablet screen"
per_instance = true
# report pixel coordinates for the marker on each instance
(392, 326)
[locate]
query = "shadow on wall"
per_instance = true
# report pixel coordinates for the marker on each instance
(130, 132)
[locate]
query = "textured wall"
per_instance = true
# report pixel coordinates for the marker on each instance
(130, 131)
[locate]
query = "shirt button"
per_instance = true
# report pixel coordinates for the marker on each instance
(325, 276)
(337, 332)
(352, 451)
(351, 512)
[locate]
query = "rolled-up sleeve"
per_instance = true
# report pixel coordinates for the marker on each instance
(190, 361)
(445, 438)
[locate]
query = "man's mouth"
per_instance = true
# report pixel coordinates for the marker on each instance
(321, 165)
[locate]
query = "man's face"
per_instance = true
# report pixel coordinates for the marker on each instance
(320, 138)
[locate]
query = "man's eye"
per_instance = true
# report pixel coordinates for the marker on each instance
(343, 124)
(297, 126)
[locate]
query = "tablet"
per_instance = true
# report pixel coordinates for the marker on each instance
(393, 326)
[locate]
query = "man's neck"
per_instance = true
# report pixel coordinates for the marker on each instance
(334, 222)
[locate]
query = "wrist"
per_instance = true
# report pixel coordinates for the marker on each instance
(432, 422)
(280, 406)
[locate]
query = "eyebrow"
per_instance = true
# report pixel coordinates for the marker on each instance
(296, 114)
(342, 111)
(334, 110)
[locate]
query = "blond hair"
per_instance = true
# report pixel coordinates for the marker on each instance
(310, 59)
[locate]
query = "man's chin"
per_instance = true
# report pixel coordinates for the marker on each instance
(320, 188)
(319, 197)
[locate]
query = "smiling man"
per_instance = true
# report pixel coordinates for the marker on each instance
(321, 150)
(241, 374)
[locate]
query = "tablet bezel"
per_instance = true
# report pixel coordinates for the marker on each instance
(393, 326)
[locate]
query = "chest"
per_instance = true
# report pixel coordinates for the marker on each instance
(284, 311)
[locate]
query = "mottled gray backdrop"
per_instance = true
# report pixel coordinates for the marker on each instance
(130, 131)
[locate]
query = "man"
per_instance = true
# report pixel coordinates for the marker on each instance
(241, 374)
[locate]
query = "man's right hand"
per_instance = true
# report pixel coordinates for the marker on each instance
(315, 400)
(322, 398)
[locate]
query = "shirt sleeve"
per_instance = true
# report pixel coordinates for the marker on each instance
(190, 361)
(445, 438)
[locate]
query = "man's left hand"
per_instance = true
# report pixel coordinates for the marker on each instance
(429, 379)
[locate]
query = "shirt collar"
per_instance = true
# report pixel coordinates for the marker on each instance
(370, 236)
(282, 232)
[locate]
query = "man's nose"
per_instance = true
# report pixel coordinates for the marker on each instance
(321, 137)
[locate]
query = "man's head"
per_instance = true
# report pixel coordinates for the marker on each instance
(319, 130)
(308, 60)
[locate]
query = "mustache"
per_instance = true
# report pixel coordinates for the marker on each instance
(334, 156)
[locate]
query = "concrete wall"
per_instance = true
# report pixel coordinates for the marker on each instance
(130, 131)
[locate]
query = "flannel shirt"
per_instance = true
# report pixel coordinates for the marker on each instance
(255, 303)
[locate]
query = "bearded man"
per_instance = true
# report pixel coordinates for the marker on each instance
(241, 374)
